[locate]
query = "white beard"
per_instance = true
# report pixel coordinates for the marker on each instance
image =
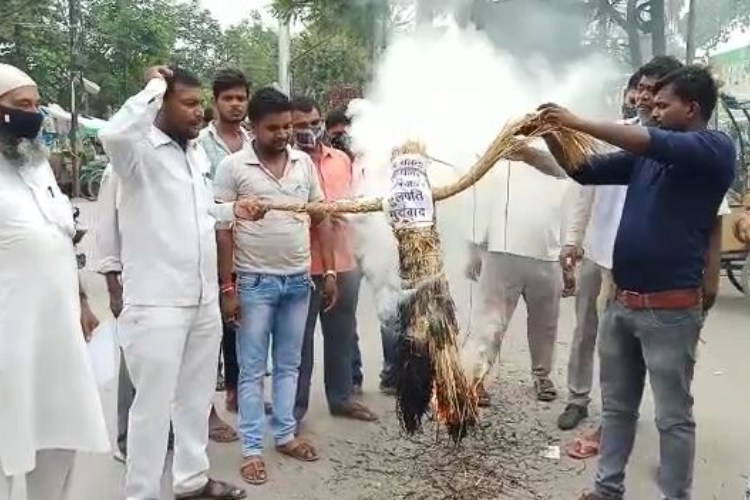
(23, 152)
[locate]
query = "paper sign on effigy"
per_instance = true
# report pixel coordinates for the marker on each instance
(410, 198)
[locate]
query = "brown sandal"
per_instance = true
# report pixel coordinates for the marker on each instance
(299, 449)
(213, 489)
(218, 430)
(253, 471)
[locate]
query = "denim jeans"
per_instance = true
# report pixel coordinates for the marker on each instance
(389, 333)
(663, 344)
(339, 327)
(273, 309)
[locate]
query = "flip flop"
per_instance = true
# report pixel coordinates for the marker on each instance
(355, 410)
(222, 433)
(299, 449)
(582, 448)
(253, 471)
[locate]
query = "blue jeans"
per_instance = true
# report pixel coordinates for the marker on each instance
(389, 334)
(271, 307)
(662, 344)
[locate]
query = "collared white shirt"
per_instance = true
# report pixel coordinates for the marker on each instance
(528, 212)
(215, 147)
(166, 212)
(106, 251)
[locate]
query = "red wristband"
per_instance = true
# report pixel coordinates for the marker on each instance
(227, 288)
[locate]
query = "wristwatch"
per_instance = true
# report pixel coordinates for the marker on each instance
(330, 272)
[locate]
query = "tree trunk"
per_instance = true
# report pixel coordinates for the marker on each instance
(658, 28)
(690, 52)
(634, 38)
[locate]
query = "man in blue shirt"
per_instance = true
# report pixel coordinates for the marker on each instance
(677, 175)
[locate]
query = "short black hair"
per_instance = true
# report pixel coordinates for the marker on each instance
(208, 114)
(693, 84)
(337, 117)
(267, 101)
(183, 77)
(659, 67)
(228, 78)
(633, 81)
(305, 104)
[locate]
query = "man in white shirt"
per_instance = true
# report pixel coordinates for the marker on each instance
(170, 325)
(106, 253)
(523, 245)
(49, 402)
(271, 258)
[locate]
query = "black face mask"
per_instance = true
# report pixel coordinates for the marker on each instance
(19, 123)
(341, 142)
(629, 112)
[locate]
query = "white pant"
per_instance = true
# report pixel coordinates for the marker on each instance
(48, 481)
(171, 354)
(504, 279)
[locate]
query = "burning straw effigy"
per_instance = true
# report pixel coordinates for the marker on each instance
(430, 374)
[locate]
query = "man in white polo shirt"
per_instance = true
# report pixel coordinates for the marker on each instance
(271, 258)
(523, 245)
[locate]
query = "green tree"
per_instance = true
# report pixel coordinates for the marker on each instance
(716, 20)
(251, 47)
(34, 37)
(365, 20)
(122, 38)
(198, 39)
(321, 60)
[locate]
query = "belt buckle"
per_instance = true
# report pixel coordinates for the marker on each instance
(637, 298)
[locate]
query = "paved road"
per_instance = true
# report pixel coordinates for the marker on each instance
(722, 409)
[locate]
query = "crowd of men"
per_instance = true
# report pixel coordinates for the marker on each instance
(198, 268)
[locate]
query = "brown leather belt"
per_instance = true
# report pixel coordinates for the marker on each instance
(669, 299)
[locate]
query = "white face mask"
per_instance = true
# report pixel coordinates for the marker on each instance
(308, 138)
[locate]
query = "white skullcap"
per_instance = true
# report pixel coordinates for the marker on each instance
(12, 78)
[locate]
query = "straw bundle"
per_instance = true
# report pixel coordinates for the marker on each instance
(430, 372)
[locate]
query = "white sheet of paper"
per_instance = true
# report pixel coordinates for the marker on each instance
(101, 351)
(410, 201)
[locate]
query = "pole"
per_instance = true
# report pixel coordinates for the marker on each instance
(285, 48)
(690, 51)
(75, 77)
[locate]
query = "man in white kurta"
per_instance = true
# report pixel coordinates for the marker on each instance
(49, 403)
(170, 326)
(523, 241)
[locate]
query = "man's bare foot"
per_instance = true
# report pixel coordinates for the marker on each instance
(218, 430)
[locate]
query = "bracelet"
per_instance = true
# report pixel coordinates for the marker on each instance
(227, 288)
(330, 273)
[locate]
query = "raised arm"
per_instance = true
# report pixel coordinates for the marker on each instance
(122, 135)
(579, 221)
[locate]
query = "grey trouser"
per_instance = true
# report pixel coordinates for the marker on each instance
(503, 280)
(125, 396)
(662, 343)
(339, 327)
(581, 360)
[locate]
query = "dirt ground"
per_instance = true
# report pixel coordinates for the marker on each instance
(503, 458)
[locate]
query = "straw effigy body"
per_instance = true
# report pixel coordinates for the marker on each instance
(430, 374)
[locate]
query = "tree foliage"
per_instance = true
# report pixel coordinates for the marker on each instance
(321, 60)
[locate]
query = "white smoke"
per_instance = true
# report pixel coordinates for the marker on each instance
(454, 91)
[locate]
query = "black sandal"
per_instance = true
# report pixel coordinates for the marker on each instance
(214, 490)
(545, 390)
